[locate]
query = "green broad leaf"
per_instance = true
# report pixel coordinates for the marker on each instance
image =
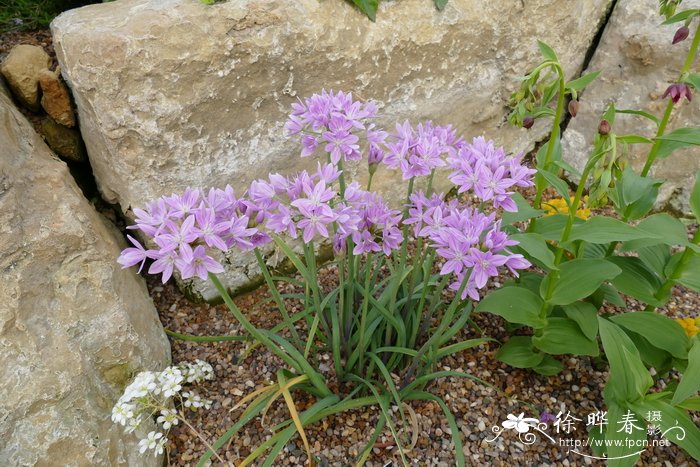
(601, 229)
(640, 113)
(677, 139)
(609, 114)
(629, 379)
(579, 278)
(368, 7)
(655, 257)
(594, 250)
(676, 426)
(585, 314)
(538, 112)
(690, 276)
(562, 336)
(633, 139)
(616, 437)
(607, 293)
(549, 366)
(551, 227)
(519, 353)
(596, 439)
(525, 211)
(682, 16)
(690, 382)
(636, 280)
(664, 227)
(440, 4)
(547, 52)
(536, 248)
(529, 280)
(651, 356)
(580, 83)
(542, 152)
(695, 197)
(634, 195)
(558, 184)
(515, 305)
(661, 331)
(694, 80)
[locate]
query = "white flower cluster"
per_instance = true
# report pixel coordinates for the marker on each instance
(152, 394)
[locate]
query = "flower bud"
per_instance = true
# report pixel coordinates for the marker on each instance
(528, 122)
(604, 127)
(375, 156)
(573, 107)
(681, 34)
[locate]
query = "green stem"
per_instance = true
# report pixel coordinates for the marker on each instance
(668, 284)
(689, 59)
(556, 128)
(365, 307)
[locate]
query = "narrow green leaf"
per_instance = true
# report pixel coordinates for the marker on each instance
(619, 454)
(368, 7)
(514, 304)
(580, 83)
(682, 16)
(562, 164)
(579, 278)
(694, 80)
(634, 139)
(690, 382)
(547, 51)
(640, 113)
(695, 197)
(440, 4)
(562, 336)
(518, 352)
(677, 139)
(585, 314)
(692, 403)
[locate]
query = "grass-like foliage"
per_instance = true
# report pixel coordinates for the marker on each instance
(25, 15)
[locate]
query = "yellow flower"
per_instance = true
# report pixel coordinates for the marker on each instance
(559, 206)
(691, 326)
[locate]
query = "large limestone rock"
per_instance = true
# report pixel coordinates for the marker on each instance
(21, 69)
(638, 63)
(73, 325)
(173, 93)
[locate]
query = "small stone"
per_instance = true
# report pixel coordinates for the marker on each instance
(250, 384)
(55, 98)
(21, 69)
(66, 142)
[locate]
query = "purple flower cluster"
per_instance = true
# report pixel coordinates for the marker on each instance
(418, 151)
(186, 227)
(471, 243)
(332, 121)
(489, 172)
(307, 205)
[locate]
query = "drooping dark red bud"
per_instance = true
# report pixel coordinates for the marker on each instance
(528, 122)
(573, 108)
(604, 127)
(681, 34)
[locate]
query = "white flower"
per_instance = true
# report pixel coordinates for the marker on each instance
(171, 387)
(159, 447)
(192, 400)
(144, 383)
(197, 371)
(150, 441)
(122, 412)
(133, 424)
(168, 418)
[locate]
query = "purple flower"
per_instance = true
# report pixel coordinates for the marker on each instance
(484, 264)
(197, 263)
(677, 91)
(364, 243)
(182, 205)
(209, 228)
(164, 263)
(315, 221)
(546, 417)
(133, 255)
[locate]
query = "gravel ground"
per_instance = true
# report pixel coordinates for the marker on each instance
(339, 439)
